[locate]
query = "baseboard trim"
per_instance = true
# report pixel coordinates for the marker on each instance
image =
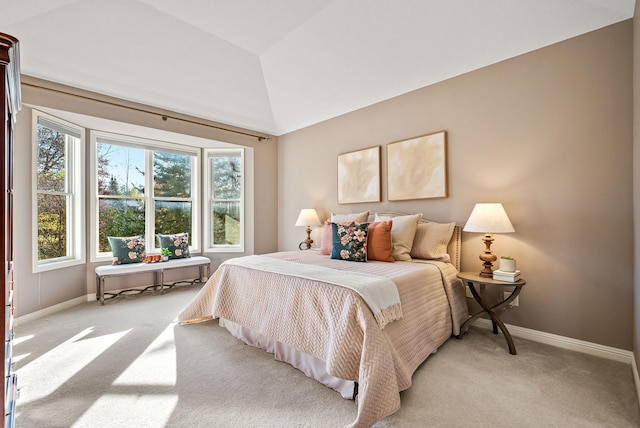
(65, 305)
(50, 310)
(636, 378)
(585, 347)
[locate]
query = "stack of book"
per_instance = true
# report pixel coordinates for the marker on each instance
(501, 275)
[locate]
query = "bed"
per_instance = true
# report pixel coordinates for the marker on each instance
(297, 306)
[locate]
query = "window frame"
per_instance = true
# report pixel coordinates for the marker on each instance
(75, 210)
(150, 146)
(209, 246)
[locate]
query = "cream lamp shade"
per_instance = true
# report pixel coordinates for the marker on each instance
(488, 218)
(307, 217)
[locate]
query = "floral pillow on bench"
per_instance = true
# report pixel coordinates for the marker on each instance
(177, 244)
(127, 249)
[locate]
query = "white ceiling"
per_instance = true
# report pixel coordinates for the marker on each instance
(279, 65)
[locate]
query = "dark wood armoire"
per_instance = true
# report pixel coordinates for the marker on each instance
(10, 71)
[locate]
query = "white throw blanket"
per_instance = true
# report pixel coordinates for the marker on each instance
(380, 294)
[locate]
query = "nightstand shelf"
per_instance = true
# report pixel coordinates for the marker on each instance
(477, 285)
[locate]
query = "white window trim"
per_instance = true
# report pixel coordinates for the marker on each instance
(209, 247)
(76, 212)
(148, 144)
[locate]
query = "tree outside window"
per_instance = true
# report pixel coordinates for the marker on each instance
(55, 188)
(226, 187)
(126, 207)
(172, 193)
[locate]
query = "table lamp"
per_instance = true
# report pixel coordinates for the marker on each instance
(307, 217)
(488, 218)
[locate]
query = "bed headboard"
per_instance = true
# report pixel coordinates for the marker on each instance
(454, 245)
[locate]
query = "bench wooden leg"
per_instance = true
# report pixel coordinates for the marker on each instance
(100, 289)
(160, 276)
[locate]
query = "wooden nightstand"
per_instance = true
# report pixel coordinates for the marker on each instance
(477, 285)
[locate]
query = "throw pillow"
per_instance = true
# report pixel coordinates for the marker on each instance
(127, 249)
(431, 241)
(402, 233)
(349, 242)
(326, 245)
(379, 245)
(178, 245)
(344, 218)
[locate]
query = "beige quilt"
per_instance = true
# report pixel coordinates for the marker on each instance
(335, 325)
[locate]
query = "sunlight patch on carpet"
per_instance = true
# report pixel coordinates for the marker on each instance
(68, 358)
(116, 410)
(155, 366)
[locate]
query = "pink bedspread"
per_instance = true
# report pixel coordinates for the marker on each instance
(335, 325)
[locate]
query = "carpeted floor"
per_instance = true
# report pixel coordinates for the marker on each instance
(128, 364)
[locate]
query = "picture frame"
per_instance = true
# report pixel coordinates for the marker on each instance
(417, 168)
(359, 176)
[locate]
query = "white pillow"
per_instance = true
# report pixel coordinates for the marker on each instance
(431, 241)
(403, 231)
(344, 218)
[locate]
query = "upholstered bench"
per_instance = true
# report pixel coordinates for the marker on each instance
(158, 269)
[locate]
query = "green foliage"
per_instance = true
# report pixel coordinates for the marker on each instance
(172, 175)
(119, 217)
(226, 223)
(506, 257)
(126, 216)
(51, 159)
(227, 190)
(172, 217)
(51, 173)
(227, 178)
(52, 237)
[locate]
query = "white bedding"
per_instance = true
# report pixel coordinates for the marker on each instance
(379, 292)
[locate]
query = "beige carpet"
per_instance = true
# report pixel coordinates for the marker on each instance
(128, 364)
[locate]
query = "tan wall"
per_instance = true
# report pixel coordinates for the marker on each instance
(42, 290)
(548, 134)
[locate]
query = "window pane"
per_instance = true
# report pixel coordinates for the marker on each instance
(226, 223)
(173, 217)
(51, 160)
(119, 217)
(52, 226)
(120, 170)
(172, 175)
(227, 177)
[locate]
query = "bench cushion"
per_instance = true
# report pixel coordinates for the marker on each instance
(150, 267)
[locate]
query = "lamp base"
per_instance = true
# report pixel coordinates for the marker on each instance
(487, 257)
(487, 272)
(306, 244)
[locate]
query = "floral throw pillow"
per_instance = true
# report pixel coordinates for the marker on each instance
(349, 242)
(177, 244)
(127, 250)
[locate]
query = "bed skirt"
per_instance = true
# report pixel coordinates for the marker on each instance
(307, 364)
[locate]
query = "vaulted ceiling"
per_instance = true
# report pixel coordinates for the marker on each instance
(279, 65)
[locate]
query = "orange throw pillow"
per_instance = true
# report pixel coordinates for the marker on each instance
(379, 241)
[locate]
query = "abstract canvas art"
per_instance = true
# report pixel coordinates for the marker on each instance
(417, 168)
(359, 176)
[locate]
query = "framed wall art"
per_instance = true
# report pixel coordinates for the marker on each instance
(417, 168)
(359, 176)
